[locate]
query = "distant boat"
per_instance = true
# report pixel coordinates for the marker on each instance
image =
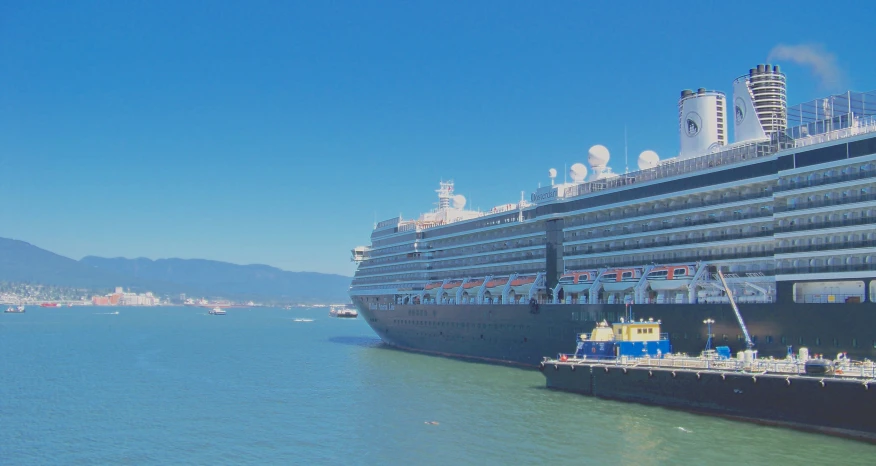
(15, 310)
(50, 305)
(217, 311)
(343, 311)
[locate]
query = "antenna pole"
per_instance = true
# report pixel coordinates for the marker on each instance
(626, 157)
(520, 209)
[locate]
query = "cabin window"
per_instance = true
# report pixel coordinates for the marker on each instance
(679, 271)
(627, 275)
(650, 330)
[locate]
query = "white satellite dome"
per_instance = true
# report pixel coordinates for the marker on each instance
(552, 173)
(598, 156)
(578, 172)
(648, 159)
(459, 201)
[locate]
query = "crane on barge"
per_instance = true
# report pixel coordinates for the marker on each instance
(748, 343)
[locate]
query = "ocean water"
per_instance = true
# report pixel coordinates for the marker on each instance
(178, 386)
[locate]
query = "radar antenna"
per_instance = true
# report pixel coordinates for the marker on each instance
(445, 193)
(748, 341)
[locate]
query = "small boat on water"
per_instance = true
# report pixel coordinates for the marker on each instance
(15, 310)
(50, 305)
(343, 312)
(217, 311)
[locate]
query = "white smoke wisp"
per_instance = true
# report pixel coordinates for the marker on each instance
(822, 62)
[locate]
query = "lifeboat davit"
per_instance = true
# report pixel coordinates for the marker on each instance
(496, 284)
(451, 286)
(473, 284)
(671, 277)
(470, 288)
(621, 279)
(522, 284)
(578, 281)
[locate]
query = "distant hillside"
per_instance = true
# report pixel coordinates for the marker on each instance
(25, 263)
(22, 262)
(216, 278)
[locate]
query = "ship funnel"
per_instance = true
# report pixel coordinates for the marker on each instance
(701, 122)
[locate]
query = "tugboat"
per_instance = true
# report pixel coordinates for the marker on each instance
(15, 310)
(217, 311)
(343, 312)
(632, 361)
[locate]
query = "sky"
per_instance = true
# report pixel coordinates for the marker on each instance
(277, 132)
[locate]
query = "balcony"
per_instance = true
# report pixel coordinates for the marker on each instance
(829, 224)
(826, 246)
(825, 202)
(826, 180)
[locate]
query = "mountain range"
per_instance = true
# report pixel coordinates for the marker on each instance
(21, 262)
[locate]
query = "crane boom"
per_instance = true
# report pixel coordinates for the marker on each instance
(748, 341)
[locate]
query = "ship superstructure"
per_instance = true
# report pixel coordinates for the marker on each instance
(788, 216)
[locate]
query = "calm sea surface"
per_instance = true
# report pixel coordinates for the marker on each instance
(175, 385)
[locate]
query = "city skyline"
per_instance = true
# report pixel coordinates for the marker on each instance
(278, 133)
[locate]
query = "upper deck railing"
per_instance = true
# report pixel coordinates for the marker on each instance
(672, 168)
(863, 126)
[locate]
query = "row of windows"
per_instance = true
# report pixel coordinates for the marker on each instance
(687, 202)
(741, 252)
(516, 230)
(703, 218)
(680, 240)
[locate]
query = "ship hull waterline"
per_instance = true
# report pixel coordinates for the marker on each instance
(520, 334)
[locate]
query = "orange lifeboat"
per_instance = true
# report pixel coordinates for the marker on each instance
(671, 277)
(621, 279)
(522, 284)
(497, 284)
(451, 286)
(578, 281)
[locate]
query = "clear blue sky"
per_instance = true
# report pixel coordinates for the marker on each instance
(275, 132)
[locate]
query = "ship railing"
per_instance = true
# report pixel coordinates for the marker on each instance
(824, 202)
(713, 237)
(681, 226)
(863, 126)
(825, 224)
(846, 368)
(677, 167)
(823, 269)
(863, 174)
(867, 243)
(727, 199)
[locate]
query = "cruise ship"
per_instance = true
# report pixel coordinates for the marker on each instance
(787, 212)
